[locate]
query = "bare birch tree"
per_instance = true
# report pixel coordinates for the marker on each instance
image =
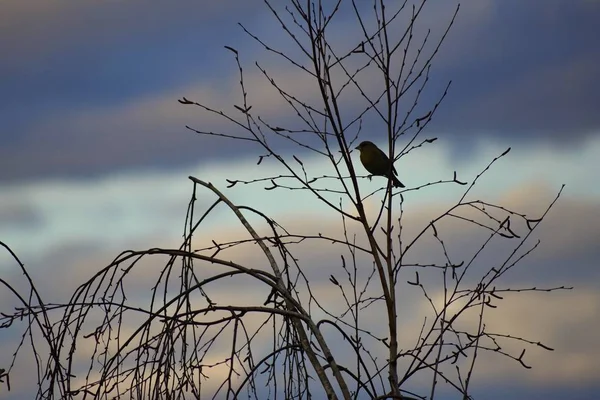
(295, 344)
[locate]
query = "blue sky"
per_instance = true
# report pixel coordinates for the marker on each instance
(94, 154)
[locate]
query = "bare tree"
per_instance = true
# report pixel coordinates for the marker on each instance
(299, 343)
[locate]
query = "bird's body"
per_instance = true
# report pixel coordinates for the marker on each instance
(376, 162)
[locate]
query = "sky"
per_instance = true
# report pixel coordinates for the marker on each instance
(95, 154)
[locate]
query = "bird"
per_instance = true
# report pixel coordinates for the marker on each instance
(376, 162)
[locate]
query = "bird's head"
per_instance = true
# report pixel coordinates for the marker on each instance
(364, 145)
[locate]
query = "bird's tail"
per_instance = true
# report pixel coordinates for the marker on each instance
(396, 182)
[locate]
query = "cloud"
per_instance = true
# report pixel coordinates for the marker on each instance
(149, 131)
(550, 319)
(526, 73)
(87, 55)
(117, 205)
(553, 100)
(15, 213)
(105, 77)
(58, 30)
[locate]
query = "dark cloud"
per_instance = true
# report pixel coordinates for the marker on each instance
(83, 55)
(520, 72)
(529, 72)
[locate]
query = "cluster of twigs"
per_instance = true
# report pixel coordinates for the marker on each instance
(179, 341)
